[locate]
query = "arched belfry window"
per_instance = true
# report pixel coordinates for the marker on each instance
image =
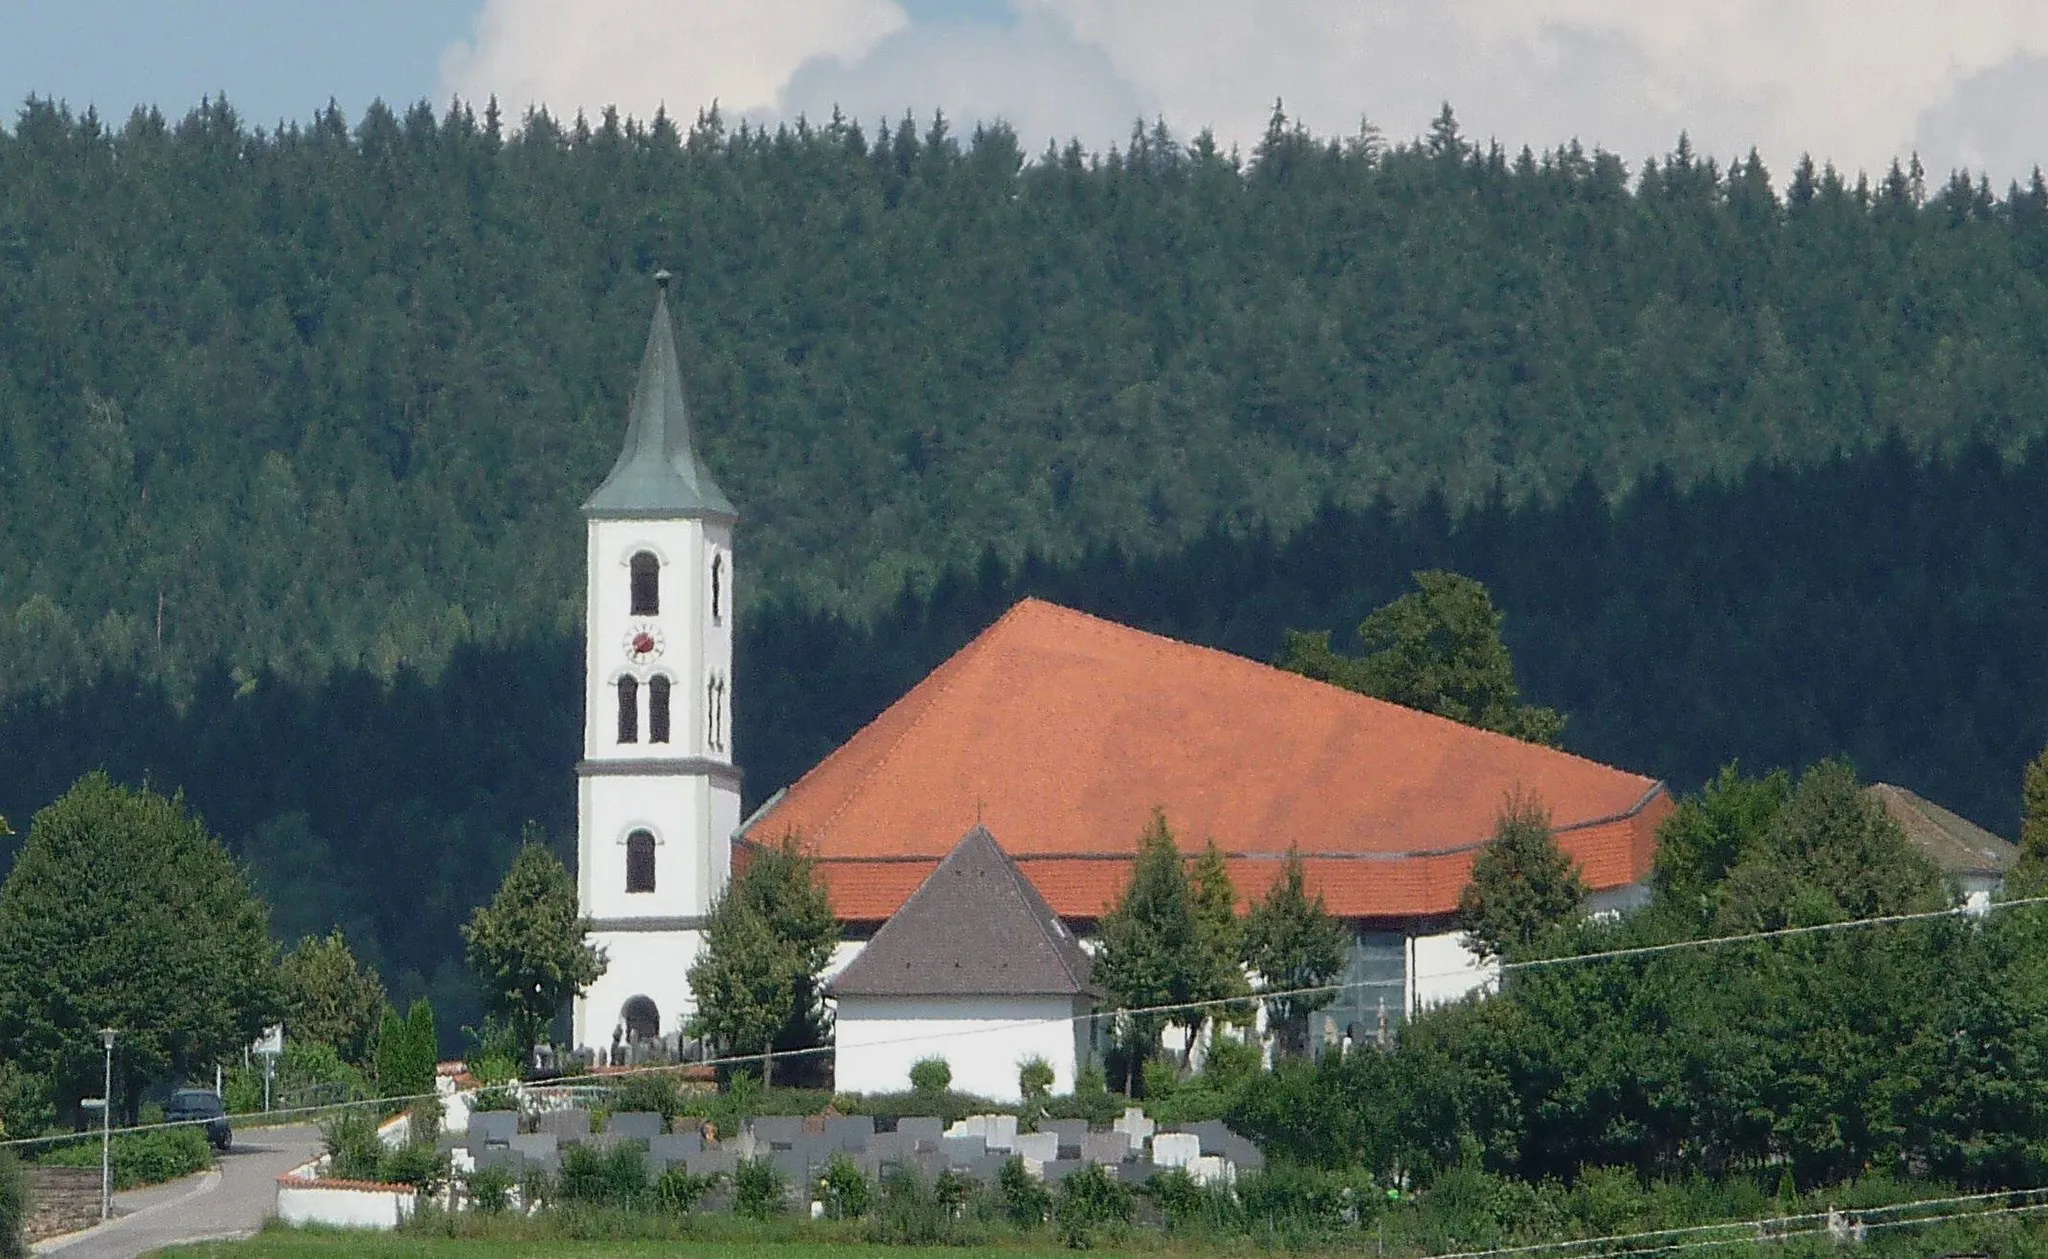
(629, 711)
(657, 709)
(646, 584)
(717, 589)
(640, 862)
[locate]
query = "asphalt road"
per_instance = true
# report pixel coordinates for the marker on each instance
(230, 1202)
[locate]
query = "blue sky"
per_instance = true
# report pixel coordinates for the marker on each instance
(1856, 81)
(273, 59)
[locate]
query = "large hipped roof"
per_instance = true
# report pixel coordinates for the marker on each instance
(1062, 732)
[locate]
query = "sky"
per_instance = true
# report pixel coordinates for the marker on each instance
(1857, 82)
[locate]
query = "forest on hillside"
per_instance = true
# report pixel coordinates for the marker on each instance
(329, 396)
(1880, 605)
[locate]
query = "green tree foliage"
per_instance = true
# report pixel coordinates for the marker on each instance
(1710, 834)
(771, 933)
(527, 948)
(14, 1207)
(122, 911)
(408, 1049)
(1152, 948)
(1438, 649)
(1830, 853)
(1221, 931)
(1523, 886)
(931, 1075)
(1292, 943)
(2029, 876)
(329, 998)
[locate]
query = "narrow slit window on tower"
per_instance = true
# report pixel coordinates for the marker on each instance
(717, 595)
(657, 709)
(640, 862)
(629, 711)
(646, 584)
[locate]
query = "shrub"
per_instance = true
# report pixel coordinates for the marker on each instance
(909, 1213)
(1024, 1197)
(758, 1189)
(1289, 1198)
(416, 1163)
(678, 1192)
(1034, 1081)
(931, 1075)
(1183, 1204)
(1088, 1200)
(13, 1207)
(611, 1178)
(495, 1097)
(489, 1189)
(352, 1145)
(141, 1158)
(844, 1190)
(655, 1092)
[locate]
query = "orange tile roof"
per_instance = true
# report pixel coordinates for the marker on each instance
(1061, 732)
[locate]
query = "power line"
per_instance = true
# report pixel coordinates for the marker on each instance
(1179, 1007)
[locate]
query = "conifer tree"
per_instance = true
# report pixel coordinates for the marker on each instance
(329, 998)
(1522, 884)
(1221, 932)
(1292, 944)
(1152, 950)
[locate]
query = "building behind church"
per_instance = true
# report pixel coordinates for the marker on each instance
(1054, 732)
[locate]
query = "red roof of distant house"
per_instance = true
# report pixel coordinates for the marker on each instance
(1061, 732)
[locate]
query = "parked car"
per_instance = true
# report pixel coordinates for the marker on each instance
(193, 1105)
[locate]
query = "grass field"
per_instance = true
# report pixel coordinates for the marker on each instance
(286, 1244)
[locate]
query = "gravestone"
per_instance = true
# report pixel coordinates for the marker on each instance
(850, 1133)
(711, 1162)
(570, 1126)
(963, 1150)
(492, 1127)
(1137, 1124)
(924, 1129)
(1211, 1169)
(1071, 1132)
(1175, 1149)
(634, 1125)
(1040, 1147)
(665, 1152)
(778, 1132)
(1060, 1168)
(1106, 1147)
(1002, 1132)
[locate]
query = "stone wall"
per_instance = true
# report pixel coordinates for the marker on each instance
(61, 1200)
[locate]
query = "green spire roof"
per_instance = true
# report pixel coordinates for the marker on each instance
(658, 472)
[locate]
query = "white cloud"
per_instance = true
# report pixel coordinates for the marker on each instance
(643, 54)
(1846, 79)
(1855, 81)
(1033, 74)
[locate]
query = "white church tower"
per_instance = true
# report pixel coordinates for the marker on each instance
(658, 796)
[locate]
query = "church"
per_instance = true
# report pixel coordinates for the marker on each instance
(1032, 761)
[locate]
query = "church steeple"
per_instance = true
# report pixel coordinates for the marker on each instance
(658, 473)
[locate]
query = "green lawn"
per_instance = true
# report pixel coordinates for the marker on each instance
(287, 1244)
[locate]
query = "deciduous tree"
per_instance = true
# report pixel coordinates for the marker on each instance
(1437, 648)
(122, 911)
(528, 947)
(758, 979)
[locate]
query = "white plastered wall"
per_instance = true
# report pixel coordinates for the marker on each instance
(681, 791)
(983, 1039)
(650, 964)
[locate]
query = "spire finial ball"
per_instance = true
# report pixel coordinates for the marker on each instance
(661, 279)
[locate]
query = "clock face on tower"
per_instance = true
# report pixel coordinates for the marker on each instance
(643, 642)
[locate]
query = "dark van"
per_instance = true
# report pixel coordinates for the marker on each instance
(194, 1105)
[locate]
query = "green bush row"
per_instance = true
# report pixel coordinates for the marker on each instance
(139, 1158)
